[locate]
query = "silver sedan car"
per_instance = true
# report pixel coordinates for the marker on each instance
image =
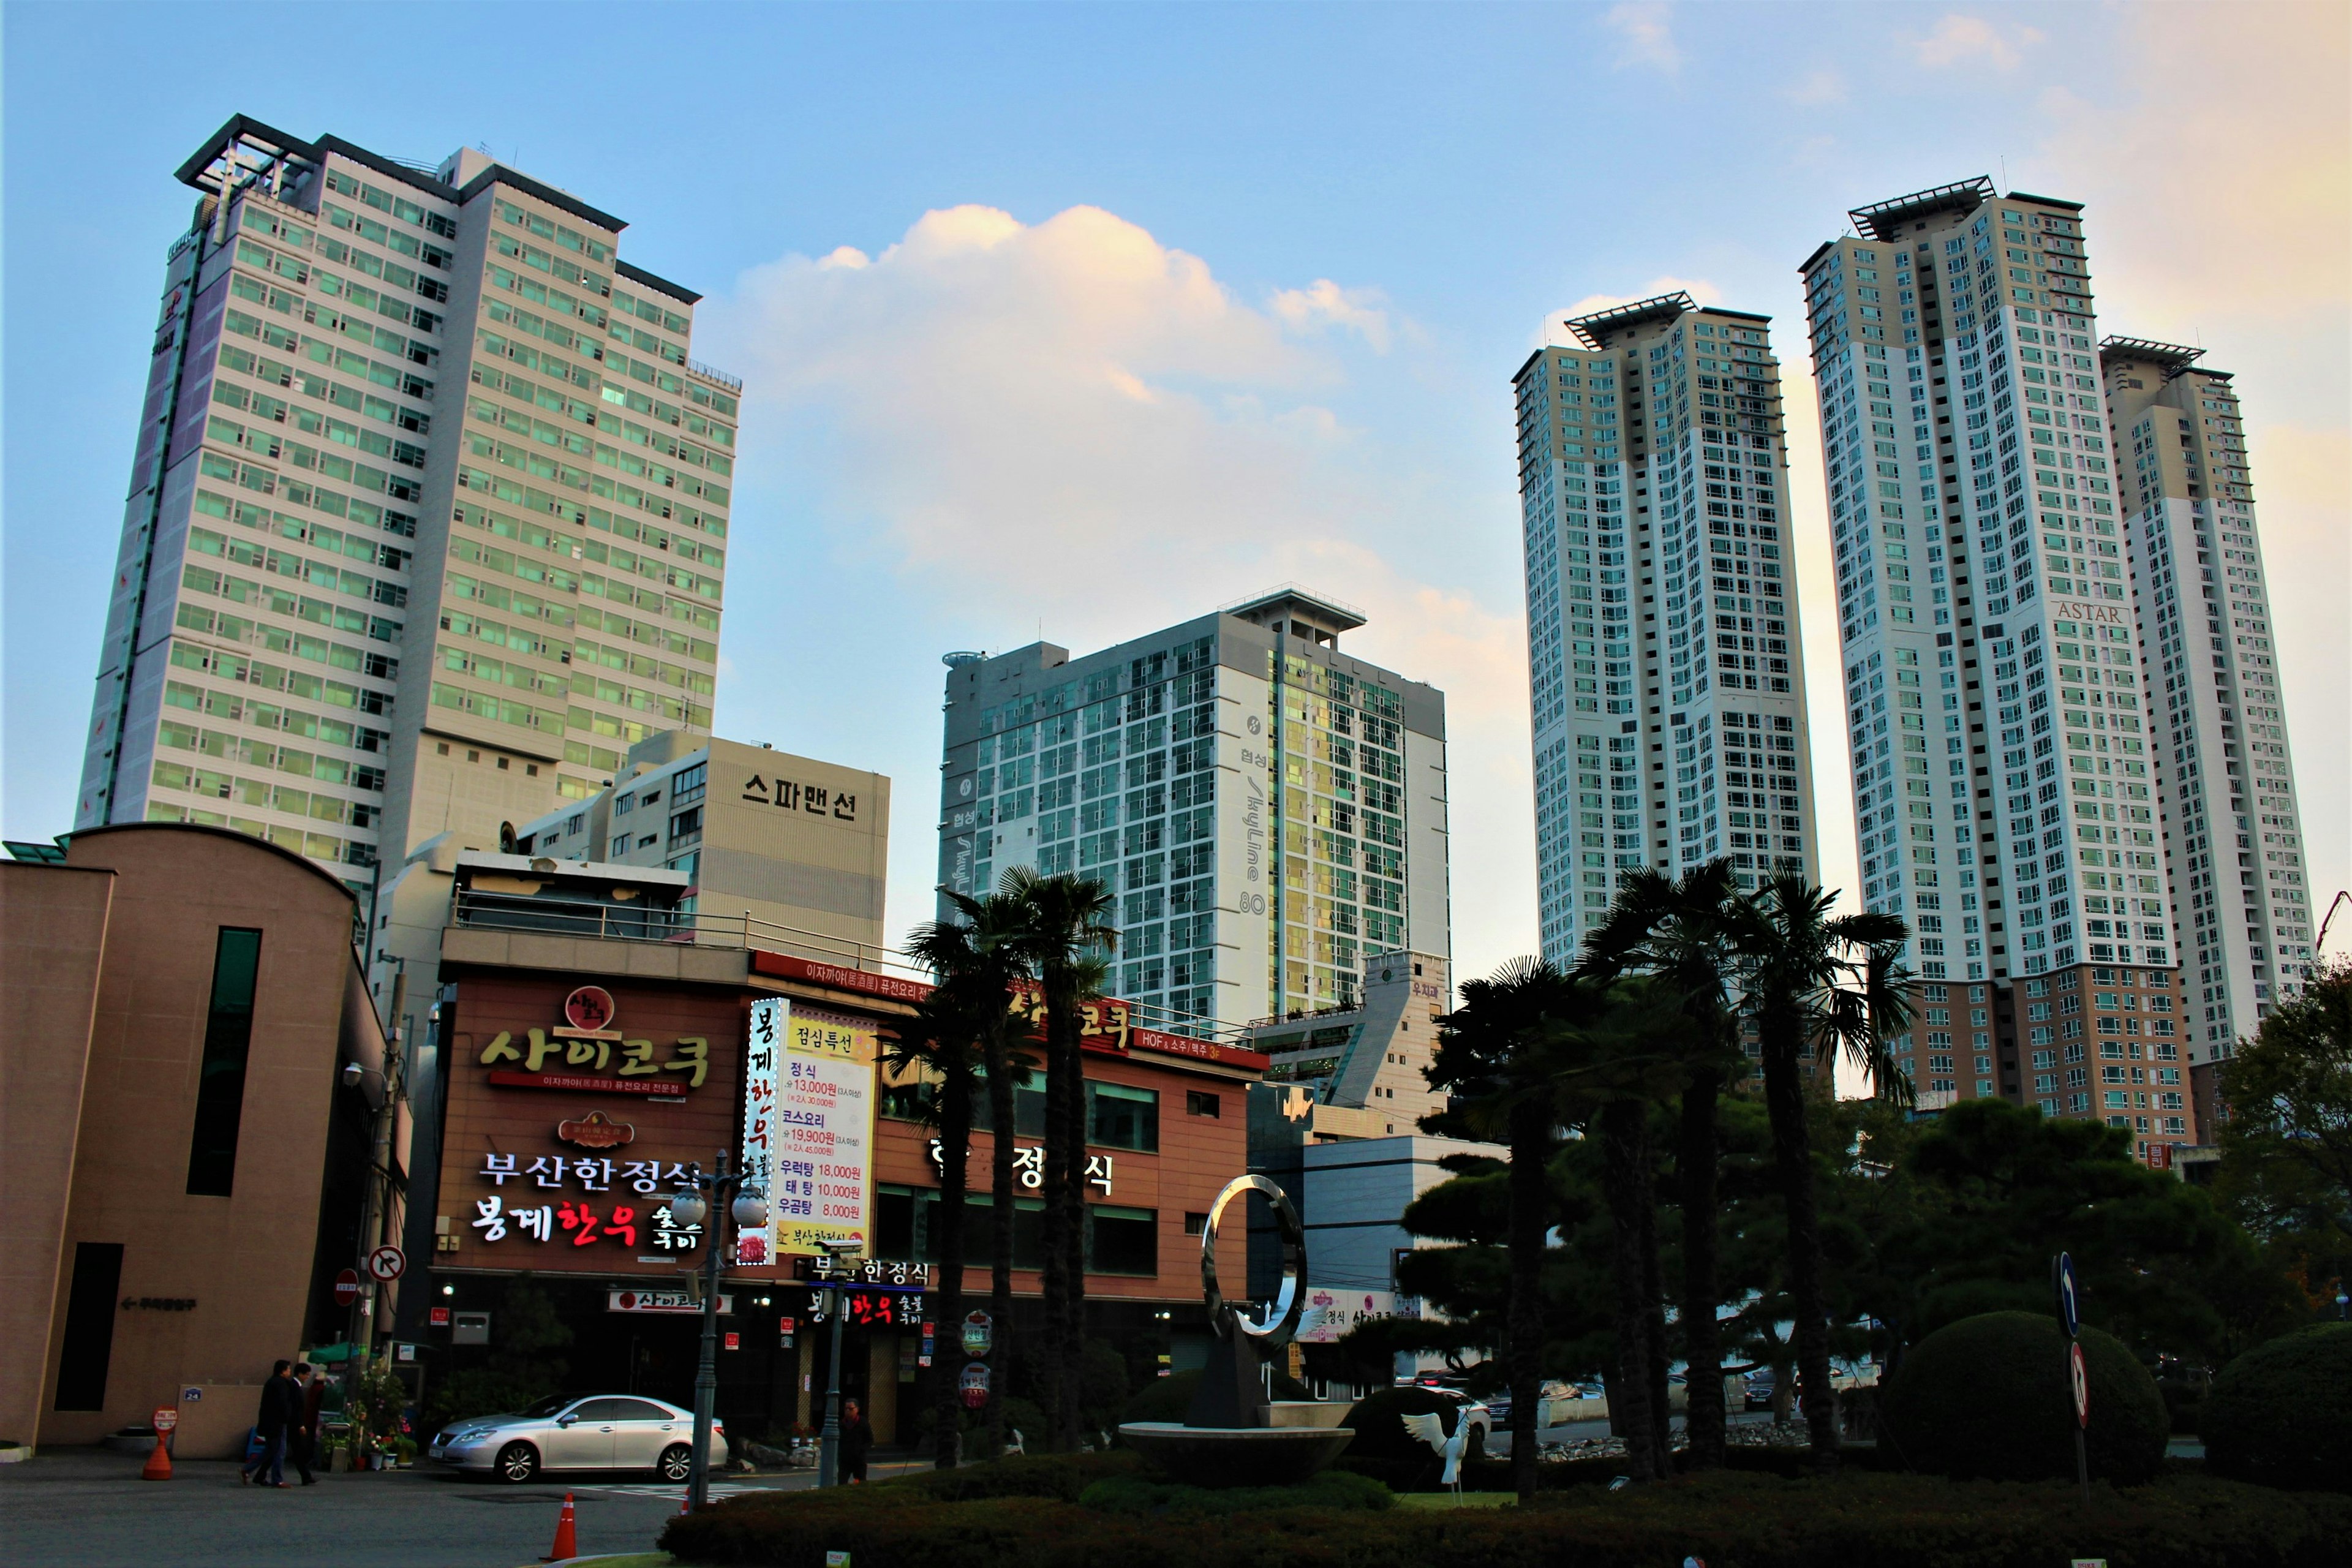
(578, 1432)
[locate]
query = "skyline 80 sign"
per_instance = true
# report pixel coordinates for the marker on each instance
(824, 1135)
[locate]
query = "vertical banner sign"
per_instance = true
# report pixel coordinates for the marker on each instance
(761, 1053)
(824, 1132)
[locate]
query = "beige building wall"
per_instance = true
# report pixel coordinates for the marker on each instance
(52, 924)
(246, 1259)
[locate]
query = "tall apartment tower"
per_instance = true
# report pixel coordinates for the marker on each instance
(1666, 665)
(1269, 810)
(2210, 666)
(2005, 783)
(427, 510)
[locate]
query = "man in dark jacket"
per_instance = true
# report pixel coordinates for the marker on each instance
(856, 1441)
(281, 1413)
(302, 1443)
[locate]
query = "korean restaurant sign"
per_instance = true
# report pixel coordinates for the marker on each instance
(580, 1201)
(587, 1052)
(763, 1050)
(825, 1131)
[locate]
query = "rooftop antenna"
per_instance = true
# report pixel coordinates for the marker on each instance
(2004, 171)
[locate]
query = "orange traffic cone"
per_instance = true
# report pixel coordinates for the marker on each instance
(159, 1463)
(566, 1545)
(686, 1502)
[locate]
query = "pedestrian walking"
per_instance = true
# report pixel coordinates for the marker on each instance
(281, 1413)
(856, 1438)
(302, 1448)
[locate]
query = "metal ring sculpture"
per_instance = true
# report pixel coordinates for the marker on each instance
(1280, 1325)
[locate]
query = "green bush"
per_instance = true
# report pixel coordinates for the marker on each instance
(1061, 1476)
(1384, 1451)
(1989, 1397)
(1860, 1521)
(2277, 1414)
(1144, 1495)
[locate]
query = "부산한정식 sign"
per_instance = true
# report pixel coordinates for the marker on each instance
(824, 1131)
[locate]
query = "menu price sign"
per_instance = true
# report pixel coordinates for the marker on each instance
(823, 1133)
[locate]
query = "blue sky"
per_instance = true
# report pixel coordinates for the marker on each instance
(1081, 320)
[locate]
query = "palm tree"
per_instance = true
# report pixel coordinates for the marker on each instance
(977, 959)
(1490, 1056)
(1677, 930)
(1067, 934)
(1817, 984)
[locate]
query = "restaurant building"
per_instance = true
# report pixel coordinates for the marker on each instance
(583, 1065)
(182, 1148)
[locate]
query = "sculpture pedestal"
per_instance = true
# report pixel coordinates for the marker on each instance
(1236, 1456)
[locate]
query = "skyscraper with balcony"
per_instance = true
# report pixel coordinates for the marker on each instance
(1268, 810)
(2208, 663)
(1664, 661)
(2005, 781)
(427, 509)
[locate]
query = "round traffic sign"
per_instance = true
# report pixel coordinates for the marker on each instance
(165, 1418)
(386, 1264)
(974, 1384)
(347, 1287)
(2061, 1275)
(979, 1334)
(2079, 1374)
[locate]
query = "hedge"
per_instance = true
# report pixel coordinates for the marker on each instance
(1988, 1397)
(2278, 1415)
(1730, 1521)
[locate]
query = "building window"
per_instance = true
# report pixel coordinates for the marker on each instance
(89, 1326)
(1199, 1104)
(1122, 1240)
(1195, 1224)
(1120, 1116)
(220, 1088)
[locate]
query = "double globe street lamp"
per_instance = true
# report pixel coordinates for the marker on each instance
(689, 1208)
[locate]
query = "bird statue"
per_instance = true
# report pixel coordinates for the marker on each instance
(1429, 1429)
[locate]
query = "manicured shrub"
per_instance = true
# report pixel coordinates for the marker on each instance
(1856, 1520)
(1064, 1477)
(1383, 1450)
(1989, 1397)
(1144, 1495)
(2278, 1415)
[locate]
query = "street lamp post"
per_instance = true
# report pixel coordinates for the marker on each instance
(828, 1446)
(750, 1210)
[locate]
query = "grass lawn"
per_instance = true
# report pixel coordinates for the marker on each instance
(1463, 1499)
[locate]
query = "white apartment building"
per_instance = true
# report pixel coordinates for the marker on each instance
(1665, 654)
(1268, 808)
(2005, 783)
(427, 511)
(2208, 663)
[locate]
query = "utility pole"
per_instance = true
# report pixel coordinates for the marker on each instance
(828, 1443)
(375, 1198)
(750, 1209)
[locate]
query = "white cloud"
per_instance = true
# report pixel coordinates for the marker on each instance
(1959, 40)
(1070, 430)
(1825, 85)
(1645, 30)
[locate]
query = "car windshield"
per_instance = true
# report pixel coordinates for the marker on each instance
(547, 1407)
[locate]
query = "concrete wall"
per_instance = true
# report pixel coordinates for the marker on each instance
(246, 1259)
(52, 928)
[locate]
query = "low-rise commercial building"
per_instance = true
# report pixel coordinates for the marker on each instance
(183, 1156)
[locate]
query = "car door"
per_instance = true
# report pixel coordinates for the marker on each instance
(582, 1437)
(642, 1429)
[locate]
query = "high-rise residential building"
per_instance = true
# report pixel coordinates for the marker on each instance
(1666, 665)
(1268, 809)
(427, 509)
(2208, 663)
(2005, 783)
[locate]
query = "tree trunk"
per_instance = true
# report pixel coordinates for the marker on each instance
(1073, 1344)
(1000, 1187)
(1621, 1127)
(1653, 1308)
(1695, 1160)
(955, 1167)
(1784, 1101)
(1062, 1083)
(1530, 1193)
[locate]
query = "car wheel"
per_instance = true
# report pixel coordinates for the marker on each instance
(517, 1462)
(677, 1463)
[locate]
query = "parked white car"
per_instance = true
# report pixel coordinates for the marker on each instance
(578, 1432)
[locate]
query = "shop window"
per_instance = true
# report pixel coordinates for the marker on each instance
(1122, 1240)
(220, 1088)
(89, 1326)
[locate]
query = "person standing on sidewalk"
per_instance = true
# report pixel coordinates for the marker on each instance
(302, 1446)
(280, 1413)
(856, 1441)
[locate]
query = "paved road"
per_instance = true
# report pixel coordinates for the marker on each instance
(77, 1508)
